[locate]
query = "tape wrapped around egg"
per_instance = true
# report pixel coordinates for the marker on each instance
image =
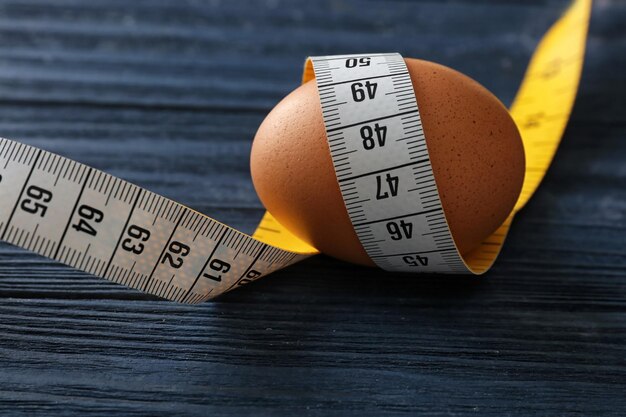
(474, 146)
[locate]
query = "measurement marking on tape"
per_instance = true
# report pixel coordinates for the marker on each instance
(418, 213)
(119, 240)
(323, 85)
(390, 255)
(421, 161)
(217, 244)
(69, 220)
(377, 119)
(340, 57)
(30, 173)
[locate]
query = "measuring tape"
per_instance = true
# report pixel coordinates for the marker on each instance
(103, 225)
(372, 96)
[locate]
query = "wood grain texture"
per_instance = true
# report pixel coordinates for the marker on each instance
(168, 94)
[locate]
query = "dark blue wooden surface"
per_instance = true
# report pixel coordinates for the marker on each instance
(168, 94)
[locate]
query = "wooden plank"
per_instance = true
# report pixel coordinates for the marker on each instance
(161, 93)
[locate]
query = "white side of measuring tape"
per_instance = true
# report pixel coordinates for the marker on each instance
(381, 160)
(108, 227)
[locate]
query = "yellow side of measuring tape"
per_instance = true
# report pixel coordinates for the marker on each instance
(541, 110)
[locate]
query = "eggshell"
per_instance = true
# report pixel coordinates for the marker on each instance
(474, 146)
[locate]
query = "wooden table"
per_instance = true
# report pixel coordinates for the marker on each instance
(168, 94)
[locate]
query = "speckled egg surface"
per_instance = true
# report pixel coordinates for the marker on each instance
(474, 146)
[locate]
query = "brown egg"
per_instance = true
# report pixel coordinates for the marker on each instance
(474, 146)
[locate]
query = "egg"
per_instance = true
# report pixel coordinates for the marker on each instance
(474, 146)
